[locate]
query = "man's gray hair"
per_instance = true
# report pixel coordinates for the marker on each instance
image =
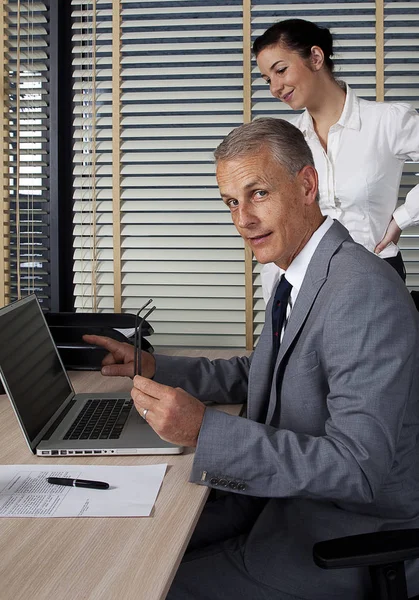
(284, 140)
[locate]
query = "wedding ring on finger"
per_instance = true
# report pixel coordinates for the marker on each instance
(144, 415)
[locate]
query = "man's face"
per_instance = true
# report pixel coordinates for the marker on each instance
(273, 211)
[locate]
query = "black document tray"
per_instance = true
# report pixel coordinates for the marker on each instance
(67, 330)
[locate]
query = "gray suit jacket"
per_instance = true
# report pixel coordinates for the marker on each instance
(332, 435)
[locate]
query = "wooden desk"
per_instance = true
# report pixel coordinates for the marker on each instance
(97, 558)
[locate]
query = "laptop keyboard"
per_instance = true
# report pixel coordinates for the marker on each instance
(100, 420)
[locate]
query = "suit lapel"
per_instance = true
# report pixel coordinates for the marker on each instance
(314, 279)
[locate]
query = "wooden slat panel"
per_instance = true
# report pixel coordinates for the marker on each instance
(4, 134)
(116, 151)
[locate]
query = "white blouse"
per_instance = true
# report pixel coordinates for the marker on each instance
(359, 175)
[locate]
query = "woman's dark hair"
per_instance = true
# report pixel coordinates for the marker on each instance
(298, 35)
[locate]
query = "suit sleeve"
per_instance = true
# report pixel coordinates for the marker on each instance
(219, 381)
(368, 357)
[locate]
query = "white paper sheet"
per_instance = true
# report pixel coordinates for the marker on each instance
(25, 492)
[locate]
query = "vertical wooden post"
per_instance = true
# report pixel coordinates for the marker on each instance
(4, 166)
(247, 117)
(17, 138)
(116, 152)
(379, 50)
(93, 141)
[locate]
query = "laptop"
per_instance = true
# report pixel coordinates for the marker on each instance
(54, 420)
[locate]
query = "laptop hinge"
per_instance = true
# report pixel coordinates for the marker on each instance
(57, 421)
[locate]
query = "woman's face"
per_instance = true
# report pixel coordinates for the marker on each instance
(291, 79)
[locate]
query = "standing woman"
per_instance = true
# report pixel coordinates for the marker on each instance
(359, 146)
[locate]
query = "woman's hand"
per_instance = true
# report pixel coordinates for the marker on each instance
(392, 235)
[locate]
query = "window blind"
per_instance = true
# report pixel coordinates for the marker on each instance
(181, 93)
(181, 74)
(27, 203)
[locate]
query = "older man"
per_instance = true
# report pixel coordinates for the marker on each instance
(330, 441)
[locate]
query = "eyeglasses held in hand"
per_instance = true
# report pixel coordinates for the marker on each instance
(137, 335)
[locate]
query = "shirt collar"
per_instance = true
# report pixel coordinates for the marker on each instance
(297, 269)
(349, 118)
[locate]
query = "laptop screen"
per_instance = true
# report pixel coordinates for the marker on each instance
(31, 368)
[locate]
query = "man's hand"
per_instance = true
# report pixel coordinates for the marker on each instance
(392, 235)
(120, 360)
(173, 413)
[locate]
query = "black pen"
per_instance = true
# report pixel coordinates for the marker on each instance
(82, 483)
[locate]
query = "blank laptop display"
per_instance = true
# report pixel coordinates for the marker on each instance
(54, 420)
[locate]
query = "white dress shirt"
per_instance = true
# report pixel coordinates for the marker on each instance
(359, 175)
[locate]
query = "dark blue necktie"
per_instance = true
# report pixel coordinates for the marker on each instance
(279, 311)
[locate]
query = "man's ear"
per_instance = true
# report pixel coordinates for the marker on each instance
(310, 183)
(316, 58)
